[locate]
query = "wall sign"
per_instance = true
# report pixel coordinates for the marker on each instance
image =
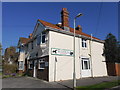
(61, 52)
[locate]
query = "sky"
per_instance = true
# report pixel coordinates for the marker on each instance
(19, 18)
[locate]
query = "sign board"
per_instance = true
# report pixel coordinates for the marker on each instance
(61, 52)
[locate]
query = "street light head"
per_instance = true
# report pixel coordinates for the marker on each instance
(80, 14)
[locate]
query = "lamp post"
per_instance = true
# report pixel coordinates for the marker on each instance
(74, 74)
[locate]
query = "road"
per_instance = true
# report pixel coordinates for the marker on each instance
(30, 82)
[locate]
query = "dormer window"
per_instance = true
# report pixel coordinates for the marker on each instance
(84, 43)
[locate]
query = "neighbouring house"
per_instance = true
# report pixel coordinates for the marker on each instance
(48, 52)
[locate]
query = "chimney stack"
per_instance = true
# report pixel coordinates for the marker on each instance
(79, 28)
(30, 36)
(65, 19)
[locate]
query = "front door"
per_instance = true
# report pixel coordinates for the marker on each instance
(86, 72)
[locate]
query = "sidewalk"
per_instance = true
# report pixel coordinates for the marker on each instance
(88, 81)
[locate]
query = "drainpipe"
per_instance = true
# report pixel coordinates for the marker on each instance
(90, 43)
(79, 55)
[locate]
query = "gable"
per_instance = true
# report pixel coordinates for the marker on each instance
(38, 29)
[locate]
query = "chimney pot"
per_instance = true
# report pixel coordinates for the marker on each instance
(79, 28)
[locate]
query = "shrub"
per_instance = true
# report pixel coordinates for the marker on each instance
(9, 68)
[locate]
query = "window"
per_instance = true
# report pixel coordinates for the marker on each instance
(41, 38)
(41, 64)
(84, 43)
(21, 65)
(30, 64)
(85, 64)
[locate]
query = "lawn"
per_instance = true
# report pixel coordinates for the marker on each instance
(100, 86)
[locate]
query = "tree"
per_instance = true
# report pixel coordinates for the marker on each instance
(111, 48)
(10, 54)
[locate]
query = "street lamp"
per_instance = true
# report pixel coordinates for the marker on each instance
(74, 74)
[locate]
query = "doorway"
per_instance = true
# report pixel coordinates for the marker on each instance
(86, 71)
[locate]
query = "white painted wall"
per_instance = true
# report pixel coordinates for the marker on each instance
(63, 68)
(98, 61)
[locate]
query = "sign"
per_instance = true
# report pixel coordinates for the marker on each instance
(61, 52)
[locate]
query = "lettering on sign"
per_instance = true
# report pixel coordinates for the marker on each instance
(62, 52)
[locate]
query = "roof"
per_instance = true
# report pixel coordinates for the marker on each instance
(24, 40)
(71, 29)
(49, 24)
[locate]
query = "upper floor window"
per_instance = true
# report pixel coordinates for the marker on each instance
(41, 38)
(84, 43)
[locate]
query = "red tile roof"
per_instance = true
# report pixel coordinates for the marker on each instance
(49, 24)
(71, 29)
(24, 40)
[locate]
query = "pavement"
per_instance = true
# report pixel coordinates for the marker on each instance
(30, 82)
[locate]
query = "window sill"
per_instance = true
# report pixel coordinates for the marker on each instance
(84, 48)
(41, 68)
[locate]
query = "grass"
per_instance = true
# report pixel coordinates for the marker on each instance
(100, 86)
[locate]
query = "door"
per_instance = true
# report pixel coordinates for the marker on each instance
(86, 72)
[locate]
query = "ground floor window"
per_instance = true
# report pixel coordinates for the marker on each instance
(21, 65)
(85, 63)
(30, 64)
(41, 64)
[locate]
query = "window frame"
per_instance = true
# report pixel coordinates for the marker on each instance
(84, 43)
(41, 61)
(83, 63)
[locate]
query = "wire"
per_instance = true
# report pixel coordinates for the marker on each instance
(99, 17)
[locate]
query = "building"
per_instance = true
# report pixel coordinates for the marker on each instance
(48, 52)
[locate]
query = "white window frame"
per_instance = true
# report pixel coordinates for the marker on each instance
(40, 37)
(39, 62)
(84, 43)
(88, 63)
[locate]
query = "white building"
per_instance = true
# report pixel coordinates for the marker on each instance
(48, 53)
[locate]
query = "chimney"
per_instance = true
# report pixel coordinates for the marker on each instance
(79, 28)
(65, 19)
(30, 36)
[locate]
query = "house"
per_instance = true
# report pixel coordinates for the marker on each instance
(48, 52)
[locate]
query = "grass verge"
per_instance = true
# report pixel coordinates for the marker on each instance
(100, 86)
